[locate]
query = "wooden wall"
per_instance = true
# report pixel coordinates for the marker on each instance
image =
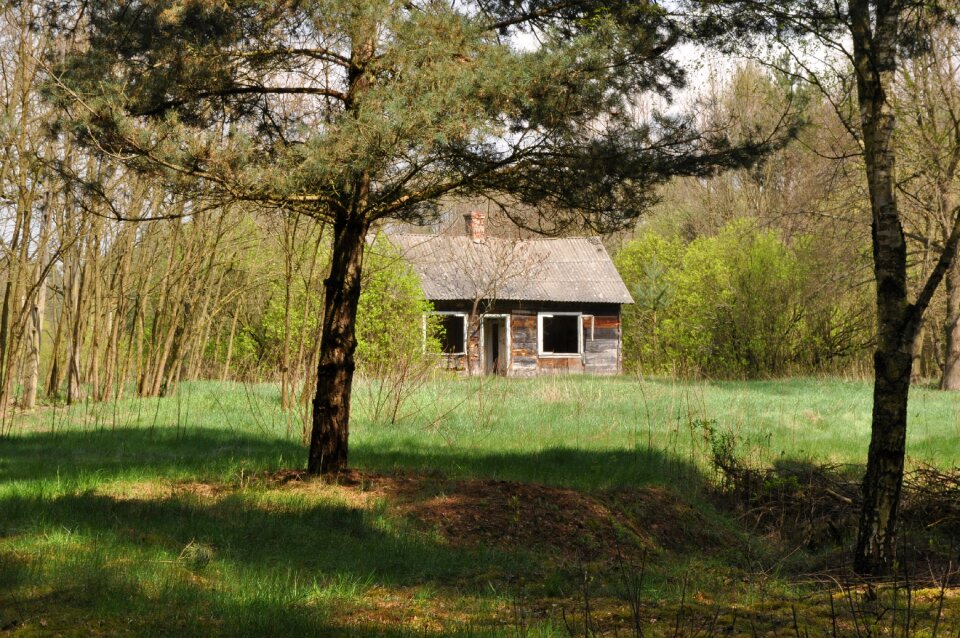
(523, 345)
(601, 344)
(601, 341)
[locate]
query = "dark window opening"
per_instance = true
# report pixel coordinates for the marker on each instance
(451, 334)
(561, 334)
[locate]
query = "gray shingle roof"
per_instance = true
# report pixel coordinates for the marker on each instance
(569, 269)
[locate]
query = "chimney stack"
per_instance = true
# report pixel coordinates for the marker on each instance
(476, 222)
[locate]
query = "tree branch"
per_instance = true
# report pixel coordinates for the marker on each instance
(944, 263)
(244, 90)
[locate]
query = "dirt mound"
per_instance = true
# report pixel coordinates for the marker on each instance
(516, 515)
(672, 522)
(568, 523)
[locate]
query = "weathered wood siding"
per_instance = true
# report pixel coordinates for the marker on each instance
(601, 344)
(523, 344)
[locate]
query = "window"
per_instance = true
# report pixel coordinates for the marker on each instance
(560, 333)
(452, 331)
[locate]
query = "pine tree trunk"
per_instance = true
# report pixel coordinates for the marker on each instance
(331, 404)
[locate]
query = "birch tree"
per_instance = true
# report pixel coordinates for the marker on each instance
(872, 39)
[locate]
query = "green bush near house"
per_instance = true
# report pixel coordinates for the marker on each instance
(744, 303)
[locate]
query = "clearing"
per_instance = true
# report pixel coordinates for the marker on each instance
(502, 507)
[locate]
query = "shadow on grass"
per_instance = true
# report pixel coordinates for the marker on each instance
(566, 467)
(264, 562)
(199, 453)
(240, 564)
(212, 454)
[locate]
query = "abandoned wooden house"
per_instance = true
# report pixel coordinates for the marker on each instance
(520, 307)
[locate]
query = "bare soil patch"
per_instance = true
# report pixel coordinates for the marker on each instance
(565, 523)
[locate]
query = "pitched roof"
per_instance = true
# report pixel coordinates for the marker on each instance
(570, 269)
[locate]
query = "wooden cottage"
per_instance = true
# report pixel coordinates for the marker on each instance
(521, 307)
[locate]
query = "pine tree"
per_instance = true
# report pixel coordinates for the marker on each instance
(356, 111)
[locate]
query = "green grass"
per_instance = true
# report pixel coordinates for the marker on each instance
(593, 432)
(154, 517)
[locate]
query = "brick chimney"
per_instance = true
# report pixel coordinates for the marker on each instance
(476, 222)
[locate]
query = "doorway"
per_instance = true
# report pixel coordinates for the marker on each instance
(495, 350)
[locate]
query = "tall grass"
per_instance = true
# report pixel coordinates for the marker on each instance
(576, 431)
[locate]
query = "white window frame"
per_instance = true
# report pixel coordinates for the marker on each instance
(466, 321)
(561, 355)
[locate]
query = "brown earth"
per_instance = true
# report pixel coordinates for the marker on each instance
(564, 523)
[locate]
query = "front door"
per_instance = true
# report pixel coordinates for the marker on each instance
(495, 345)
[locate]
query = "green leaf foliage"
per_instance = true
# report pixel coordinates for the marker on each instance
(743, 303)
(391, 315)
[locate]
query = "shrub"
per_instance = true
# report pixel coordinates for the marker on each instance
(394, 352)
(742, 303)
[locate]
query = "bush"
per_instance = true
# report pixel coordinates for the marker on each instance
(742, 303)
(393, 322)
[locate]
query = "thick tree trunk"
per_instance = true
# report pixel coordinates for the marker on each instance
(876, 542)
(951, 367)
(331, 404)
(874, 31)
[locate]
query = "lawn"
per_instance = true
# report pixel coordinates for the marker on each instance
(490, 507)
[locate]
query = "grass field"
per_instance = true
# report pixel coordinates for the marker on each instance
(494, 507)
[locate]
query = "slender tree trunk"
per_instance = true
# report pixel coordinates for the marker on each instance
(331, 404)
(32, 368)
(170, 376)
(233, 332)
(917, 365)
(93, 276)
(303, 371)
(37, 308)
(115, 312)
(289, 247)
(74, 390)
(11, 294)
(951, 367)
(54, 380)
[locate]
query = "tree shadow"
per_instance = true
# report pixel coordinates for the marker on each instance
(208, 453)
(127, 559)
(152, 453)
(559, 466)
